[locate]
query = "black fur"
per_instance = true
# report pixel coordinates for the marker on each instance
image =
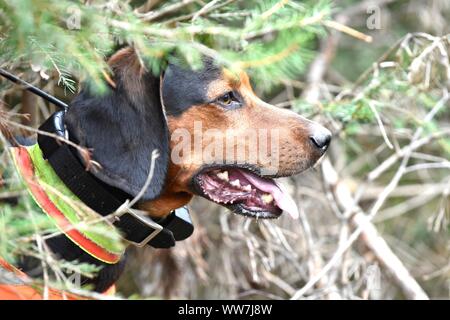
(65, 249)
(123, 129)
(105, 278)
(183, 87)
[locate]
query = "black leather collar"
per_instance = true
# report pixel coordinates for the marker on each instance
(105, 199)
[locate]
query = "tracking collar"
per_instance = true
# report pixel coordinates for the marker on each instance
(105, 199)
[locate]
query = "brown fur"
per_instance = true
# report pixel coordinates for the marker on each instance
(296, 153)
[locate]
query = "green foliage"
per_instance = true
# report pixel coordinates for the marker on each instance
(270, 40)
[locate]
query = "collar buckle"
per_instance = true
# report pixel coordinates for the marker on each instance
(148, 222)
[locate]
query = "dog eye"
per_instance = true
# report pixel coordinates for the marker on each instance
(229, 100)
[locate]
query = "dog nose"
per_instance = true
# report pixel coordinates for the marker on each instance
(321, 138)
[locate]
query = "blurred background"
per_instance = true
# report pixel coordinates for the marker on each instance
(375, 212)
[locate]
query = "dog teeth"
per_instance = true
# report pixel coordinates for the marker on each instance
(247, 188)
(235, 183)
(267, 198)
(223, 175)
(215, 198)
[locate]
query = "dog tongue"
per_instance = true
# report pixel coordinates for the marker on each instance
(279, 193)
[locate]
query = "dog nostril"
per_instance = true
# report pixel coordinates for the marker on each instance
(321, 139)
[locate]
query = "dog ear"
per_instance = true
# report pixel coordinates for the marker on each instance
(123, 127)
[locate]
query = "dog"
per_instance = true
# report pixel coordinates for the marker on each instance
(141, 112)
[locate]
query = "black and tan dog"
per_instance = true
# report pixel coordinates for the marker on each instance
(141, 113)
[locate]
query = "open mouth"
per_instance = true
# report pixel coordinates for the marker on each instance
(245, 192)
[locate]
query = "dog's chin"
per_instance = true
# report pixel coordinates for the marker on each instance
(244, 191)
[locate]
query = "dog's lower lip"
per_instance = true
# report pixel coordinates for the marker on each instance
(242, 210)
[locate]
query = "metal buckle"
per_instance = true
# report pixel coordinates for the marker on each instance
(147, 221)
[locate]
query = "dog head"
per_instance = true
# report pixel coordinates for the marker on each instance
(215, 138)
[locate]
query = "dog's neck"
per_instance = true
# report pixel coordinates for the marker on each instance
(165, 204)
